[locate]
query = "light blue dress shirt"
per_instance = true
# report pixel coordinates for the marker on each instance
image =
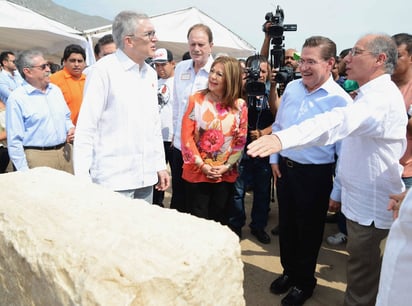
(186, 83)
(34, 118)
(8, 83)
(298, 105)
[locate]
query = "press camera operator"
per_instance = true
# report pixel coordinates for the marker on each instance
(256, 172)
(284, 64)
(289, 57)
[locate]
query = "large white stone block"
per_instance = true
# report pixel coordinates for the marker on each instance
(64, 241)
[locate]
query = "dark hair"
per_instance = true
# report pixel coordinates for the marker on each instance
(186, 56)
(344, 52)
(73, 49)
(104, 40)
(5, 56)
(261, 58)
(404, 39)
(328, 47)
(54, 67)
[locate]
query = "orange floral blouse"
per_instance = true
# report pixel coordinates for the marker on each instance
(212, 135)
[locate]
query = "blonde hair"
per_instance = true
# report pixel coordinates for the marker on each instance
(232, 72)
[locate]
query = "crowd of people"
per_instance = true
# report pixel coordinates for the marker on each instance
(337, 138)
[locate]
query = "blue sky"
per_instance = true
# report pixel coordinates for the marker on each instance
(342, 21)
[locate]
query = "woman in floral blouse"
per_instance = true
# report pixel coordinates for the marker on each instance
(213, 135)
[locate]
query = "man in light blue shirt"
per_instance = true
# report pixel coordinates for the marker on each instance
(10, 78)
(304, 177)
(372, 130)
(38, 121)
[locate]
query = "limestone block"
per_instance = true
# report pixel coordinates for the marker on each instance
(64, 241)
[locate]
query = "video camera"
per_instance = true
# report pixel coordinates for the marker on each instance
(253, 86)
(285, 74)
(277, 53)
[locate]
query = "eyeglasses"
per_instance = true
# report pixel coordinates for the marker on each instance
(149, 34)
(308, 62)
(357, 51)
(42, 67)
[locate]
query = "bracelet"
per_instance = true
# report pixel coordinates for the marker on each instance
(260, 133)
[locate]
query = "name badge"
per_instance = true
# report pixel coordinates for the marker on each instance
(185, 76)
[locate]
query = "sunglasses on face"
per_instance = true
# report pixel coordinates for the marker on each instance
(42, 67)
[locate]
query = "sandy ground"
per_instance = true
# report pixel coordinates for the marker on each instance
(262, 266)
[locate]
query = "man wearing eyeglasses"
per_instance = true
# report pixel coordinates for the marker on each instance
(118, 141)
(372, 130)
(304, 178)
(394, 286)
(10, 78)
(38, 123)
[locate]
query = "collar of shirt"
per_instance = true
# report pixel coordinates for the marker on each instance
(372, 84)
(67, 75)
(328, 86)
(9, 75)
(32, 90)
(206, 67)
(128, 64)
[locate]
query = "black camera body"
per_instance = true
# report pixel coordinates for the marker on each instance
(275, 30)
(253, 86)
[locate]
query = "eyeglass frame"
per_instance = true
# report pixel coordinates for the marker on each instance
(42, 66)
(356, 51)
(149, 34)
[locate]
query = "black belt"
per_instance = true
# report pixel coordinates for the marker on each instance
(292, 164)
(56, 147)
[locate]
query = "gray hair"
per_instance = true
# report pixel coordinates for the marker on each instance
(126, 23)
(383, 43)
(25, 60)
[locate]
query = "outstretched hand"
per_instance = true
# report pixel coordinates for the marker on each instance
(264, 146)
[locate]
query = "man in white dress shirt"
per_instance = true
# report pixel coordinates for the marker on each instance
(372, 131)
(118, 141)
(190, 76)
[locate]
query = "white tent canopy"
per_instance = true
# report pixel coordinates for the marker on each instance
(23, 29)
(171, 30)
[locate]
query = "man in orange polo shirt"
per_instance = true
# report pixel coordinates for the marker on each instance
(71, 78)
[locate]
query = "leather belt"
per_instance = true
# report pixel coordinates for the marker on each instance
(292, 164)
(56, 147)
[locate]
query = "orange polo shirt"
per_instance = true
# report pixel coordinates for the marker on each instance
(72, 90)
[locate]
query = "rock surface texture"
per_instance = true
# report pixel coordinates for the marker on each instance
(64, 241)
